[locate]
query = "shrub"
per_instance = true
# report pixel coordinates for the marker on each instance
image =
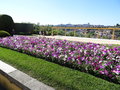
(4, 33)
(71, 33)
(118, 38)
(81, 35)
(61, 32)
(24, 28)
(105, 37)
(6, 23)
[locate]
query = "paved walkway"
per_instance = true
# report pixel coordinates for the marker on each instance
(23, 78)
(83, 39)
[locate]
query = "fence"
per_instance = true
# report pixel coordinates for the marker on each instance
(86, 28)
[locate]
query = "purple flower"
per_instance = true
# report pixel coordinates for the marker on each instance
(102, 59)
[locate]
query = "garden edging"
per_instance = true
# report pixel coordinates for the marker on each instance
(20, 79)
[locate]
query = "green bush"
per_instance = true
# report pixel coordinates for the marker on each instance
(71, 33)
(81, 35)
(6, 23)
(118, 38)
(105, 37)
(90, 35)
(24, 28)
(4, 33)
(61, 32)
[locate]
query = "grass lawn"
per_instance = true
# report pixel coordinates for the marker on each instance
(59, 77)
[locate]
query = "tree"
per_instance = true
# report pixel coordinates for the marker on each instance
(117, 25)
(36, 28)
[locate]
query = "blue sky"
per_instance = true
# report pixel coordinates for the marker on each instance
(103, 12)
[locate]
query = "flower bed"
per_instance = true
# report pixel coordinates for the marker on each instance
(88, 57)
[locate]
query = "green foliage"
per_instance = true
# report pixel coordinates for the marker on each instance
(46, 30)
(118, 38)
(55, 31)
(61, 32)
(117, 25)
(4, 33)
(23, 33)
(81, 35)
(71, 33)
(6, 23)
(36, 28)
(43, 30)
(105, 37)
(24, 28)
(90, 35)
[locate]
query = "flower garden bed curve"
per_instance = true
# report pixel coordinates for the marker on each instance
(95, 59)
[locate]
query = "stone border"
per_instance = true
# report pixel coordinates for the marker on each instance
(10, 83)
(21, 79)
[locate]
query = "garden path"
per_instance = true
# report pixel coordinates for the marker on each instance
(83, 39)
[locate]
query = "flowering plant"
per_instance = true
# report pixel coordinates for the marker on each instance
(87, 57)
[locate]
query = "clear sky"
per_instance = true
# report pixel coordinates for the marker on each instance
(103, 12)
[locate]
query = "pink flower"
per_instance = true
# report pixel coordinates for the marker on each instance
(116, 72)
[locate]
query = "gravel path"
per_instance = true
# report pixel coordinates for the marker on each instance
(83, 39)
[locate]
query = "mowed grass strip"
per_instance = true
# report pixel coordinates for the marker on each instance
(59, 77)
